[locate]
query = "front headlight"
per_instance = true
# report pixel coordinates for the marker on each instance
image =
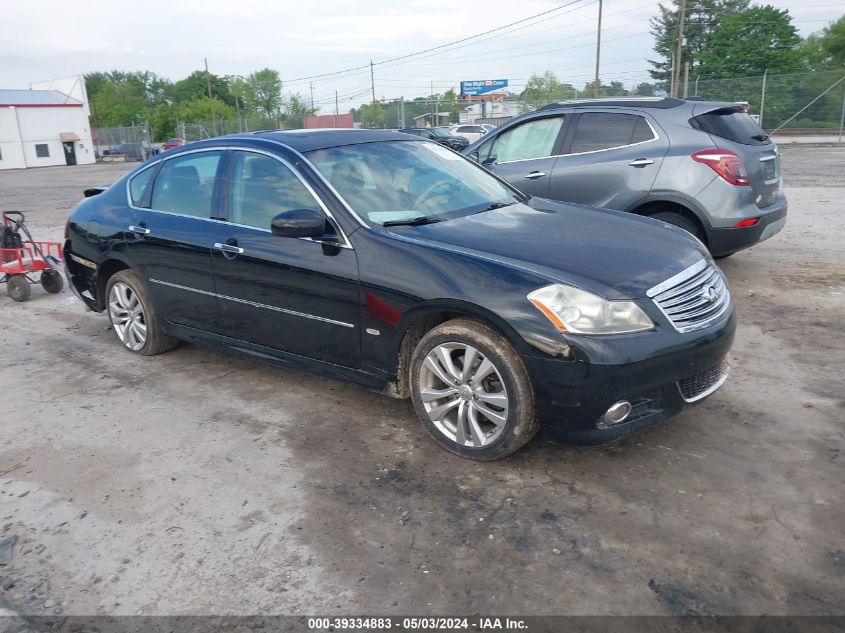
(581, 312)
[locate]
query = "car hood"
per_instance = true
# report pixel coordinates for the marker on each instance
(615, 254)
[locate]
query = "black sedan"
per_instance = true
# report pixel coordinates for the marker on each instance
(399, 265)
(437, 135)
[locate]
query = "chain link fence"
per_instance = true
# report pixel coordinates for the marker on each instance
(811, 102)
(132, 143)
(199, 130)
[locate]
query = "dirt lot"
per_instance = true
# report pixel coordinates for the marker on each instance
(199, 482)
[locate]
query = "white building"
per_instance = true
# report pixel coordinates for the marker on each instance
(46, 125)
(480, 111)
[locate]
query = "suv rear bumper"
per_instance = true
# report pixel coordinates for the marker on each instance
(730, 240)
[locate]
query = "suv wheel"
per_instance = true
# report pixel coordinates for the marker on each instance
(681, 221)
(132, 317)
(471, 391)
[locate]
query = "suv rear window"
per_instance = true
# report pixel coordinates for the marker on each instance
(732, 124)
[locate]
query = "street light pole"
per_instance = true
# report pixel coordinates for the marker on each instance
(676, 71)
(598, 54)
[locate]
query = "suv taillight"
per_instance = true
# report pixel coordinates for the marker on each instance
(727, 164)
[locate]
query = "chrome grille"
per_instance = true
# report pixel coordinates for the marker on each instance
(703, 383)
(694, 298)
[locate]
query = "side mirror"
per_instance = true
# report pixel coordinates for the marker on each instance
(299, 223)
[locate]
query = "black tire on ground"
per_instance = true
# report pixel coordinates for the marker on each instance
(722, 256)
(51, 281)
(681, 221)
(157, 341)
(17, 287)
(521, 424)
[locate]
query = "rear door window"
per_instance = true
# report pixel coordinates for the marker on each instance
(533, 139)
(605, 130)
(185, 184)
(733, 124)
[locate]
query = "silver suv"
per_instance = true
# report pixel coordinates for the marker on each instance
(704, 166)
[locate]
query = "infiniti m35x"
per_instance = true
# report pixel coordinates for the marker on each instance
(395, 263)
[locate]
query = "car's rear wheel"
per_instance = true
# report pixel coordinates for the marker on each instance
(471, 391)
(681, 221)
(132, 317)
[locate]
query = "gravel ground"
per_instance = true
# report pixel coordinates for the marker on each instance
(200, 482)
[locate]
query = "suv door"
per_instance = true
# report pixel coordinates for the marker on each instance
(610, 160)
(524, 155)
(168, 242)
(291, 294)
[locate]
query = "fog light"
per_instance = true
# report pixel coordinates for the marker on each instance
(618, 412)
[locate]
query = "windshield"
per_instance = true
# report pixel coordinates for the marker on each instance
(398, 181)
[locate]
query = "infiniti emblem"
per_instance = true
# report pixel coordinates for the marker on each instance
(709, 294)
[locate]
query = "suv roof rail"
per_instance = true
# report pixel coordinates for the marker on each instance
(634, 102)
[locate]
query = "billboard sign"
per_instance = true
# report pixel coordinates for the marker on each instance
(483, 86)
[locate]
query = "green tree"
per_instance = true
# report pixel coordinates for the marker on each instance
(542, 89)
(372, 115)
(702, 18)
(265, 90)
(296, 108)
(201, 110)
(833, 42)
(195, 86)
(644, 89)
(751, 42)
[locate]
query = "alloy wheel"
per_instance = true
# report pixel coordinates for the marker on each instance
(127, 316)
(463, 394)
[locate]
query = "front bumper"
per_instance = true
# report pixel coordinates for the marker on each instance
(572, 396)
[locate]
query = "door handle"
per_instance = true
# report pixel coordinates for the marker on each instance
(641, 162)
(141, 230)
(531, 175)
(228, 248)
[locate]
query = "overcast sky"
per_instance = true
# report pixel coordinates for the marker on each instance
(46, 39)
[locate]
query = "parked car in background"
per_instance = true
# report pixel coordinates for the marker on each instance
(392, 262)
(438, 135)
(131, 151)
(704, 166)
(470, 132)
(173, 142)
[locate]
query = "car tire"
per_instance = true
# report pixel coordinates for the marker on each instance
(724, 255)
(132, 316)
(681, 221)
(18, 288)
(51, 281)
(484, 413)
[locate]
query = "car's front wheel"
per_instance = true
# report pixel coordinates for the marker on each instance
(471, 391)
(132, 317)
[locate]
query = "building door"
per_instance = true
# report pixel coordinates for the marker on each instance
(70, 153)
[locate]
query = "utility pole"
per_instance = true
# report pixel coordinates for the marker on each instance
(401, 112)
(676, 71)
(336, 108)
(311, 86)
(210, 102)
(763, 97)
(238, 108)
(598, 54)
(686, 78)
(432, 103)
(372, 82)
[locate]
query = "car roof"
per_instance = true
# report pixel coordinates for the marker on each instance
(308, 140)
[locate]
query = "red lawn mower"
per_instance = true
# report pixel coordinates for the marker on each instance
(19, 258)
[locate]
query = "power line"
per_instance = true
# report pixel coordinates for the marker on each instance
(435, 48)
